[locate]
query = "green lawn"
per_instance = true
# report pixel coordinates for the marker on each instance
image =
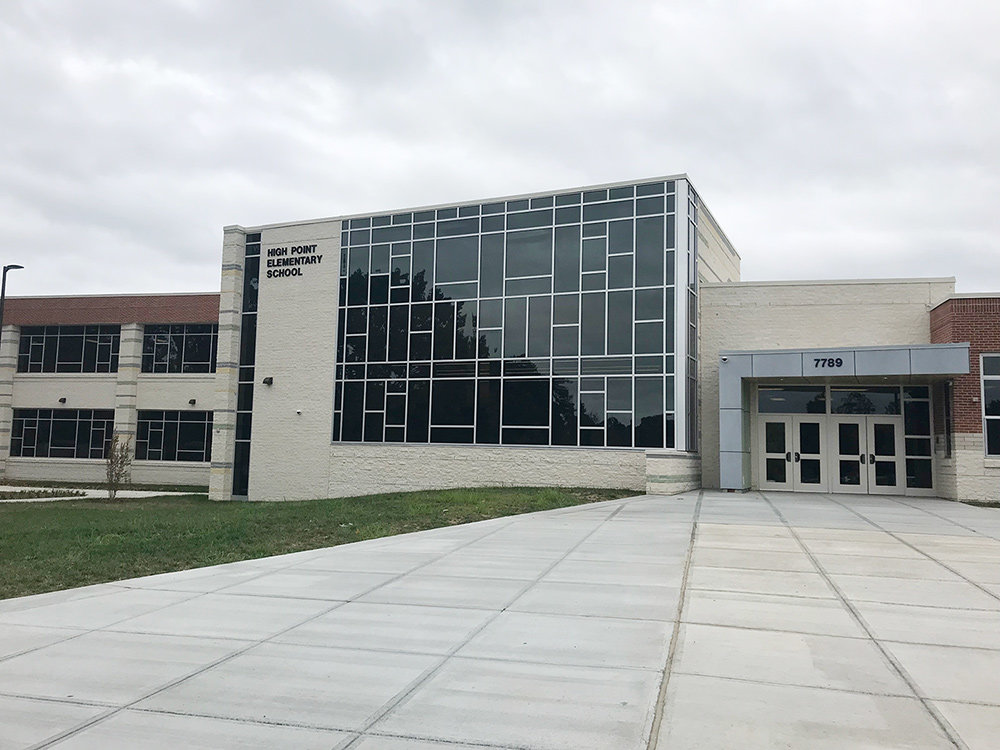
(62, 544)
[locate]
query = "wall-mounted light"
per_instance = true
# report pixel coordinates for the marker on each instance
(268, 380)
(192, 402)
(62, 400)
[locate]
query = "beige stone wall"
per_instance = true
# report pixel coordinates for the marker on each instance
(977, 476)
(671, 473)
(227, 365)
(297, 346)
(93, 470)
(364, 469)
(807, 314)
(717, 259)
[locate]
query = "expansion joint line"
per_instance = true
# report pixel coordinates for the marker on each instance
(112, 711)
(661, 698)
(410, 689)
(916, 549)
(943, 518)
(943, 724)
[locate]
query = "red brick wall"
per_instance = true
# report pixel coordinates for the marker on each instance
(116, 308)
(976, 320)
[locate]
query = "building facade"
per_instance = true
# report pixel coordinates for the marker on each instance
(76, 370)
(597, 336)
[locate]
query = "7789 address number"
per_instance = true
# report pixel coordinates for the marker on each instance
(828, 362)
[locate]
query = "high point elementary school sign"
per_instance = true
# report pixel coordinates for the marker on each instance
(287, 261)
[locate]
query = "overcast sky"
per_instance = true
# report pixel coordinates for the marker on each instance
(830, 139)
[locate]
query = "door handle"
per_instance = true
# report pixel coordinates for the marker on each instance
(788, 456)
(863, 459)
(797, 456)
(871, 458)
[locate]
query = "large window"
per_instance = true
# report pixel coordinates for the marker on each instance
(179, 348)
(91, 348)
(61, 433)
(174, 436)
(540, 321)
(991, 403)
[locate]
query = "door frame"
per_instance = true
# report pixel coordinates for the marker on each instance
(793, 455)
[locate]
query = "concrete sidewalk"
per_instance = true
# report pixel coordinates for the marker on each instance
(698, 621)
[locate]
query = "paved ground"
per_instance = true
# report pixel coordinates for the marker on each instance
(807, 622)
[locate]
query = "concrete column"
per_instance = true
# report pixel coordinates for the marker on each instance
(129, 366)
(9, 338)
(227, 365)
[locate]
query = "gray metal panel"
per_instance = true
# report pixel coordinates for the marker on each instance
(731, 373)
(776, 365)
(731, 471)
(882, 362)
(731, 429)
(940, 359)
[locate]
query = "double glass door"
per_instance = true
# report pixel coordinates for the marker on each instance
(867, 454)
(793, 453)
(832, 453)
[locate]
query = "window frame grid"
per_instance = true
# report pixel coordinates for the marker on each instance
(988, 418)
(403, 250)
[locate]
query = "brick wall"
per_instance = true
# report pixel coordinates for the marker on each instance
(112, 308)
(976, 320)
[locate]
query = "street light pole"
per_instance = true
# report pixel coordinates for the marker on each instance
(3, 290)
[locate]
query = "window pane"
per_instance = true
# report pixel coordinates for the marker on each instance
(592, 323)
(529, 253)
(862, 400)
(457, 259)
(526, 402)
(991, 398)
(453, 402)
(803, 399)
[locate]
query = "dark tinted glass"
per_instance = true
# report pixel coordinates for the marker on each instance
(457, 259)
(865, 400)
(802, 399)
(592, 323)
(991, 398)
(514, 327)
(649, 251)
(417, 411)
(649, 304)
(488, 412)
(619, 323)
(491, 268)
(526, 402)
(453, 402)
(564, 411)
(917, 417)
(649, 412)
(529, 253)
(567, 260)
(490, 313)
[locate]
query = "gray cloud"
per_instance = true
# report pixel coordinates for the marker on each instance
(830, 139)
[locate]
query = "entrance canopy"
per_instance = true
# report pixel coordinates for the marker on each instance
(738, 368)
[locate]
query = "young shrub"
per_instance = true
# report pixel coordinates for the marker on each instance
(119, 465)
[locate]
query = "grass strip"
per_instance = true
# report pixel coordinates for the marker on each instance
(64, 544)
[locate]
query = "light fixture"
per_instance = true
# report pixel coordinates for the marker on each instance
(268, 380)
(192, 402)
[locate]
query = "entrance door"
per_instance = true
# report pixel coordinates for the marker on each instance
(866, 454)
(849, 454)
(792, 458)
(886, 474)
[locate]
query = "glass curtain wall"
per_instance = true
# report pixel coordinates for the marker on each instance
(538, 321)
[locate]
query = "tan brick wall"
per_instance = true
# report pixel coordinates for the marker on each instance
(977, 477)
(802, 315)
(297, 346)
